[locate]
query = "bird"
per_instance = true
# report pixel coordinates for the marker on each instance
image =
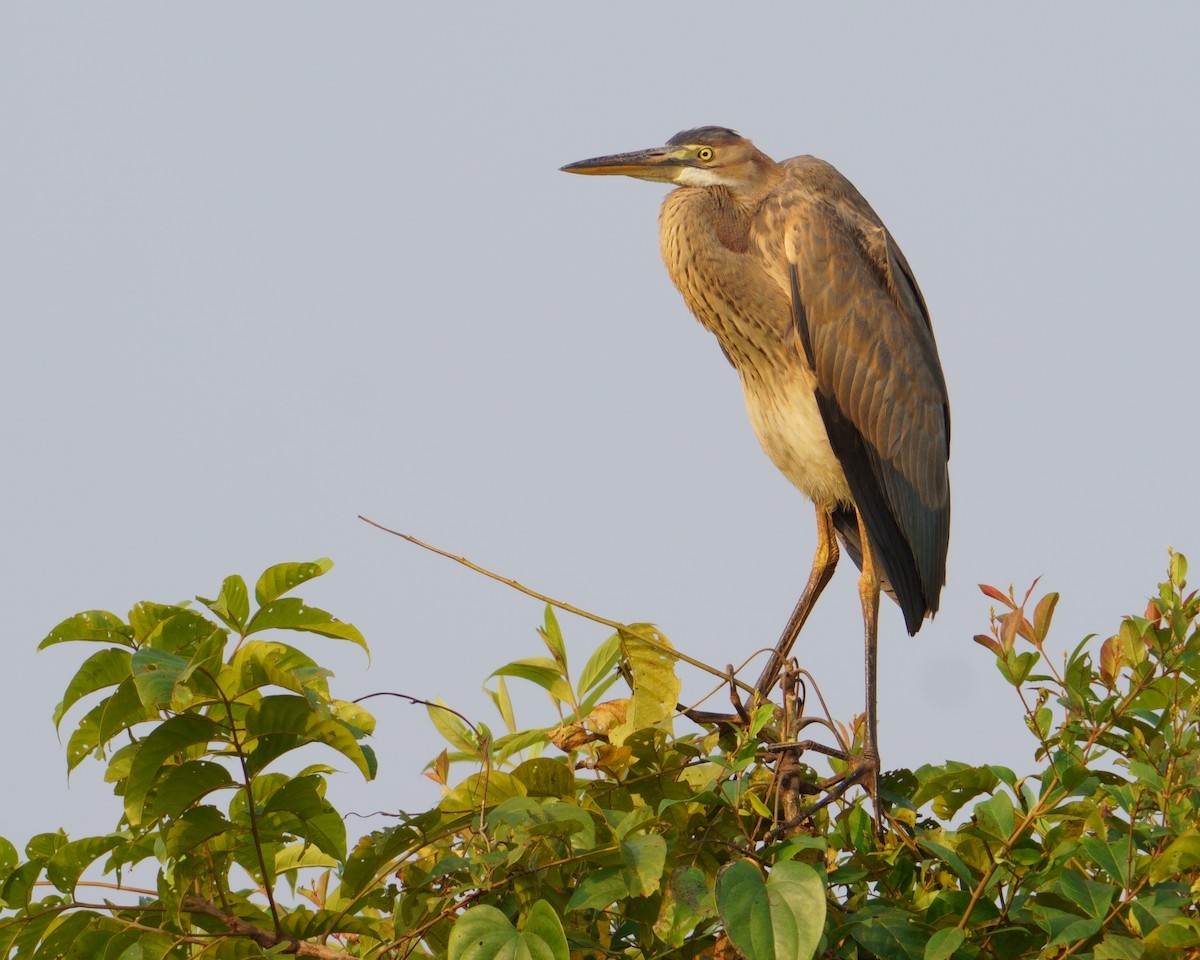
(815, 306)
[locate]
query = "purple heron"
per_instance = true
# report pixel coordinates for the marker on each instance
(819, 313)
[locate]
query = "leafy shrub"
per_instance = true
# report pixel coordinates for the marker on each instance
(609, 832)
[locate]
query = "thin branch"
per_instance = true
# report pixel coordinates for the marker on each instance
(560, 604)
(417, 701)
(247, 781)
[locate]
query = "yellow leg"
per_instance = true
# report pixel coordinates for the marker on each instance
(824, 563)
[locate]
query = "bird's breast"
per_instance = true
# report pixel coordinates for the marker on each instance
(788, 424)
(739, 302)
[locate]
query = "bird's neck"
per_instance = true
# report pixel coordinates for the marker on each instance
(708, 245)
(717, 212)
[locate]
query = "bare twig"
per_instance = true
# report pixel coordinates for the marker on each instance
(650, 641)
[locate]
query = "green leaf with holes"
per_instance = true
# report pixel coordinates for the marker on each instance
(655, 685)
(96, 626)
(292, 613)
(104, 668)
(279, 579)
(175, 736)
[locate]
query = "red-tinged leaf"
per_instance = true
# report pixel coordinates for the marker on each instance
(996, 595)
(1008, 629)
(1025, 629)
(1153, 613)
(1029, 592)
(1043, 615)
(990, 642)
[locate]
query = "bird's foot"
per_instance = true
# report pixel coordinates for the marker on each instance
(861, 769)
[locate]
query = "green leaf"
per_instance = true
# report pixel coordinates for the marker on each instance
(943, 852)
(97, 626)
(302, 856)
(506, 746)
(8, 857)
(232, 604)
(1063, 926)
(1112, 857)
(522, 818)
(70, 860)
(943, 943)
(552, 636)
(1113, 947)
(951, 785)
(312, 925)
(375, 854)
(104, 668)
(1091, 897)
(147, 616)
(297, 722)
(452, 728)
(19, 884)
(121, 709)
(279, 579)
(171, 737)
(503, 704)
(645, 857)
(1177, 570)
(176, 629)
(193, 828)
(1173, 937)
(182, 785)
(290, 613)
(540, 670)
(781, 918)
(545, 777)
(892, 933)
(1182, 853)
(542, 923)
(315, 818)
(482, 790)
(655, 685)
(687, 902)
(996, 816)
(155, 673)
(598, 889)
(484, 933)
(62, 936)
(260, 663)
(600, 664)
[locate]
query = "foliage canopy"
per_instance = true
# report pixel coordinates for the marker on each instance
(607, 832)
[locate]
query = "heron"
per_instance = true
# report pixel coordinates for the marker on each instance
(815, 306)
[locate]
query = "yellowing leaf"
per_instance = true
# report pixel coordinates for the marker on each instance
(655, 685)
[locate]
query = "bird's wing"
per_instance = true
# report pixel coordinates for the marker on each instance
(863, 326)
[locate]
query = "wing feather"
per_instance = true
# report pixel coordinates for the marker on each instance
(864, 325)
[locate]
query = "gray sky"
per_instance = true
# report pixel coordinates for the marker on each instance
(270, 266)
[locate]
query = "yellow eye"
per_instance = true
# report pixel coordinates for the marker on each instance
(704, 153)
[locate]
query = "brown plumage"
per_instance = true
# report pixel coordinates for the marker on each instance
(818, 311)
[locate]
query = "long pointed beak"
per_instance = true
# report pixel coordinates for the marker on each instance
(658, 163)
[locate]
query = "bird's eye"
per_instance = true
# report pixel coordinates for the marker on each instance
(704, 153)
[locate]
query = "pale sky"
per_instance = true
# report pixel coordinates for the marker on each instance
(267, 267)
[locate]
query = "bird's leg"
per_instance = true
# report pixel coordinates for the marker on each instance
(864, 768)
(868, 592)
(824, 562)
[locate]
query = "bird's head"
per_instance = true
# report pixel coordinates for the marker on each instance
(703, 157)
